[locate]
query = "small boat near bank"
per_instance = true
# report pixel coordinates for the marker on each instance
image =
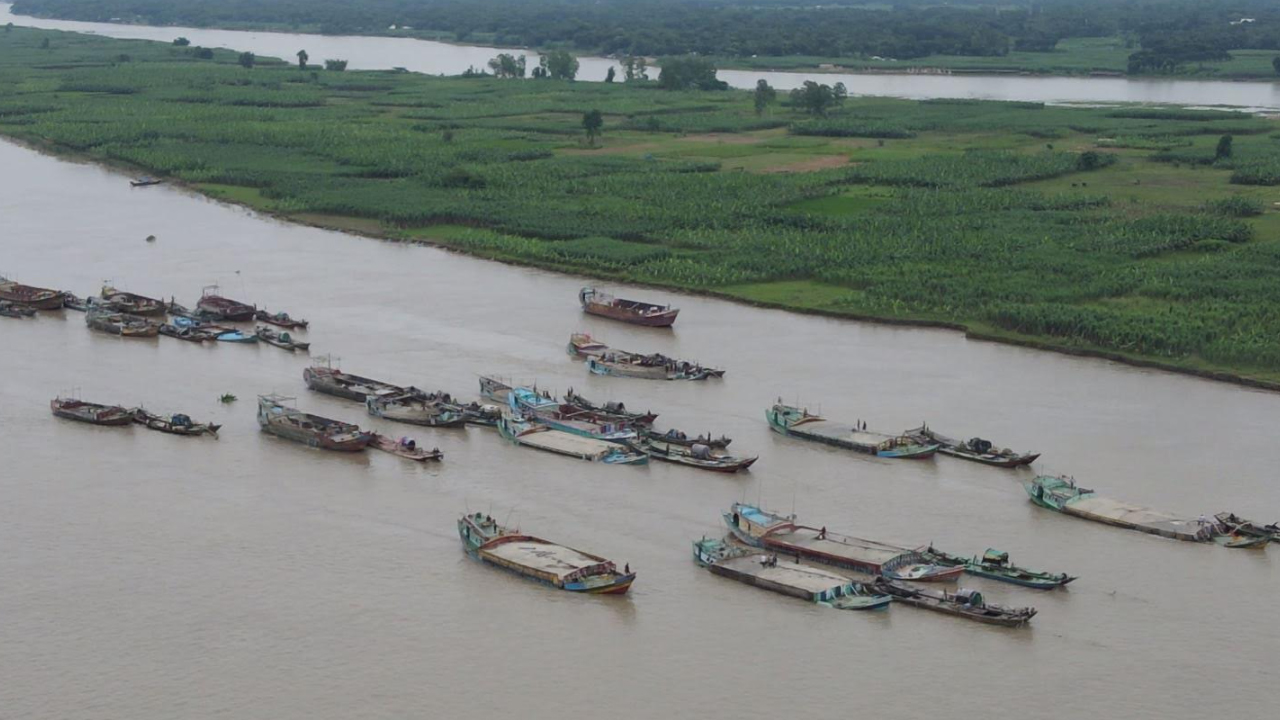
(975, 449)
(547, 439)
(598, 302)
(406, 448)
(281, 339)
(92, 413)
(278, 417)
(417, 408)
(702, 457)
(222, 309)
(799, 422)
(1064, 496)
(281, 319)
(969, 604)
(994, 564)
(121, 324)
(531, 557)
(130, 303)
(781, 534)
(175, 424)
(145, 181)
(30, 295)
(764, 571)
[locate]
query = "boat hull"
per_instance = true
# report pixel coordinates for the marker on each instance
(842, 437)
(662, 319)
(91, 413)
(38, 298)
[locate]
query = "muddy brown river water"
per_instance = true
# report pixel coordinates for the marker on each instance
(147, 576)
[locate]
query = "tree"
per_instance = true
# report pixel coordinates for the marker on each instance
(813, 98)
(608, 77)
(302, 59)
(246, 59)
(763, 95)
(181, 42)
(1275, 62)
(506, 65)
(44, 44)
(684, 73)
(840, 92)
(634, 68)
(1224, 148)
(592, 122)
(203, 53)
(558, 65)
(8, 27)
(335, 65)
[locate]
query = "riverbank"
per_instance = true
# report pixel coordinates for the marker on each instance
(1099, 231)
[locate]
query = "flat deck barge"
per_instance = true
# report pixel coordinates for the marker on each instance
(1062, 495)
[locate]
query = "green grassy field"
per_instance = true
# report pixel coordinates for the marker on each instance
(1103, 230)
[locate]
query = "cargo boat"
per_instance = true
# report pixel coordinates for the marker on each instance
(764, 571)
(416, 408)
(649, 367)
(323, 377)
(15, 310)
(963, 603)
(794, 421)
(567, 418)
(278, 418)
(176, 424)
(703, 457)
(121, 324)
(994, 565)
(541, 560)
(781, 534)
(406, 448)
(281, 339)
(1062, 495)
(541, 437)
(91, 413)
(612, 410)
(217, 307)
(676, 437)
(133, 304)
(597, 302)
(491, 388)
(36, 297)
(582, 345)
(975, 449)
(281, 319)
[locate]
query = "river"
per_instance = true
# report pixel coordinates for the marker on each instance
(380, 53)
(150, 576)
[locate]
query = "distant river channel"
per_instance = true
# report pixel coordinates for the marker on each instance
(381, 53)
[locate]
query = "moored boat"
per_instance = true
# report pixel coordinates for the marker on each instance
(798, 422)
(36, 297)
(416, 407)
(281, 319)
(130, 303)
(74, 302)
(963, 603)
(485, 415)
(649, 367)
(1062, 495)
(190, 334)
(1236, 525)
(121, 324)
(536, 559)
(763, 570)
(93, 413)
(14, 310)
(567, 418)
(541, 437)
(323, 377)
(781, 534)
(703, 457)
(495, 389)
(611, 410)
(975, 449)
(176, 424)
(233, 335)
(406, 448)
(995, 565)
(145, 181)
(597, 302)
(676, 437)
(217, 307)
(279, 418)
(280, 339)
(584, 346)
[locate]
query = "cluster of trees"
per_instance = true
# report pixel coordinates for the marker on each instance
(816, 99)
(555, 65)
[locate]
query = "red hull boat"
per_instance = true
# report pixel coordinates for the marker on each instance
(595, 302)
(38, 298)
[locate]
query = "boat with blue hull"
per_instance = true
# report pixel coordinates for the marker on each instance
(799, 422)
(541, 437)
(567, 418)
(764, 571)
(536, 559)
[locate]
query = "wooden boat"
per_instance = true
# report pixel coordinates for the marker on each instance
(676, 437)
(781, 534)
(416, 407)
(764, 571)
(963, 603)
(596, 302)
(14, 310)
(492, 388)
(1239, 541)
(233, 335)
(222, 309)
(975, 449)
(649, 367)
(36, 297)
(145, 181)
(1233, 524)
(189, 334)
(281, 319)
(126, 302)
(541, 437)
(541, 560)
(323, 377)
(994, 564)
(1062, 495)
(486, 415)
(567, 418)
(582, 345)
(406, 448)
(611, 410)
(121, 324)
(182, 312)
(797, 422)
(176, 424)
(280, 339)
(92, 413)
(703, 457)
(278, 418)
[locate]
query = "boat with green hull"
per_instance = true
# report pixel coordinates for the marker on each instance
(536, 559)
(799, 422)
(763, 570)
(994, 565)
(1063, 495)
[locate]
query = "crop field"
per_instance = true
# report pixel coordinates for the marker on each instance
(1116, 230)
